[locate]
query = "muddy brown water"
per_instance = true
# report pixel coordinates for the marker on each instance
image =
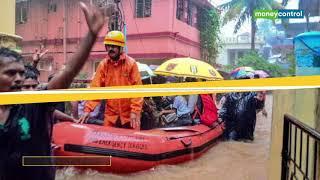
(225, 160)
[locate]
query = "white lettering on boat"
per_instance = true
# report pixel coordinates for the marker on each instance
(122, 145)
(97, 135)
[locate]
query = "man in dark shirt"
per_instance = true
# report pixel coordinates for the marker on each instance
(239, 114)
(25, 130)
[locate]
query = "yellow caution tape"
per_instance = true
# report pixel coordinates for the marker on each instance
(225, 86)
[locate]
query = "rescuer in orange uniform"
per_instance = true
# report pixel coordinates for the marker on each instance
(117, 69)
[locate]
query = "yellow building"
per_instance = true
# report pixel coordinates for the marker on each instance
(7, 29)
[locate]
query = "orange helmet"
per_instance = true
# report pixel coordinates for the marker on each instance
(115, 38)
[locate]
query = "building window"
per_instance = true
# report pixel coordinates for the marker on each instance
(231, 57)
(180, 9)
(186, 11)
(240, 54)
(194, 16)
(46, 64)
(22, 8)
(52, 7)
(114, 23)
(103, 3)
(143, 8)
(189, 13)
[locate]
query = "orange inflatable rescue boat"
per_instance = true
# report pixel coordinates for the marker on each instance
(133, 150)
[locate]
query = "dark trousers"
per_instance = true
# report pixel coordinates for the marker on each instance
(125, 126)
(184, 120)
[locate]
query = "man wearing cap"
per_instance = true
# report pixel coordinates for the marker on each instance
(117, 69)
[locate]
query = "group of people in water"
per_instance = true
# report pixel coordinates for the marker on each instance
(237, 110)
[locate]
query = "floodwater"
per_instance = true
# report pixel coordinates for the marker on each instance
(225, 160)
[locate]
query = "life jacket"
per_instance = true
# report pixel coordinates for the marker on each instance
(206, 110)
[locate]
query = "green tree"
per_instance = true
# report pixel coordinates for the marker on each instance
(209, 27)
(242, 10)
(254, 60)
(228, 68)
(292, 61)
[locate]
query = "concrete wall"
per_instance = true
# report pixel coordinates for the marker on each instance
(302, 104)
(283, 102)
(318, 129)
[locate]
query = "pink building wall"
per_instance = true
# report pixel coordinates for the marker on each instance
(150, 40)
(161, 34)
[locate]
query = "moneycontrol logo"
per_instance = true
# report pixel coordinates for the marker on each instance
(278, 14)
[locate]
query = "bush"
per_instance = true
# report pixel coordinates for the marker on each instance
(209, 27)
(257, 62)
(292, 61)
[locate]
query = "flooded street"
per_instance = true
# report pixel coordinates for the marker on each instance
(226, 160)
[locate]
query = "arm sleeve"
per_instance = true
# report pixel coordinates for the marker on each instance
(259, 104)
(41, 118)
(62, 116)
(192, 101)
(224, 111)
(136, 103)
(97, 81)
(176, 103)
(74, 109)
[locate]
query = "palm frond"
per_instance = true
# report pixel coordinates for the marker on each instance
(243, 9)
(276, 5)
(284, 2)
(232, 14)
(264, 4)
(229, 5)
(243, 16)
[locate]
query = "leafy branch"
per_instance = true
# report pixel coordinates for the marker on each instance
(209, 27)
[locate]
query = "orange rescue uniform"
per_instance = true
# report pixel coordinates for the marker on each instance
(123, 72)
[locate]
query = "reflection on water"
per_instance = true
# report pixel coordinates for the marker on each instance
(226, 160)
